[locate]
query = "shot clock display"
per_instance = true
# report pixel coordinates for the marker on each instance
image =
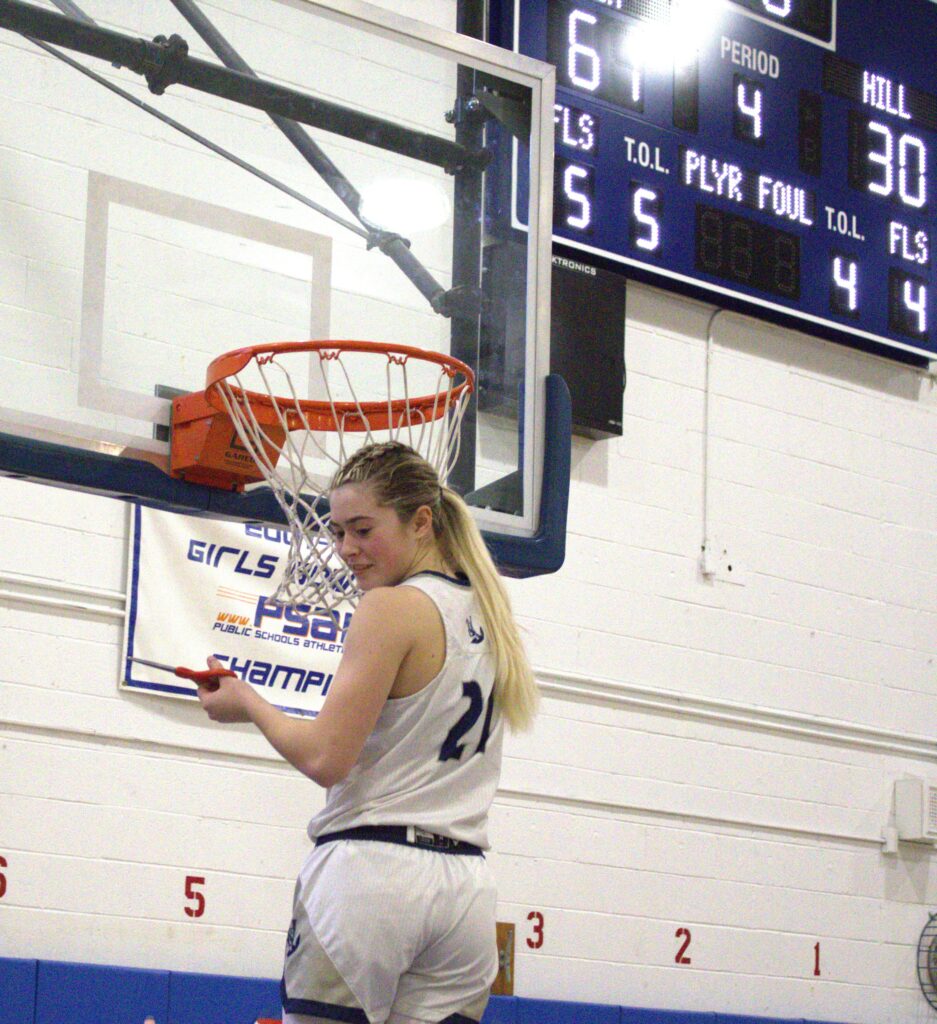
(786, 162)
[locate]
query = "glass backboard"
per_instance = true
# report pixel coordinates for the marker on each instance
(181, 179)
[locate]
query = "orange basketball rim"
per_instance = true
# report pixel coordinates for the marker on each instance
(231, 435)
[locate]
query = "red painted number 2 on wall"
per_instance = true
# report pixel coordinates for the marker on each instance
(681, 957)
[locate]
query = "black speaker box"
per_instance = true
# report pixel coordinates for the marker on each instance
(587, 343)
(587, 338)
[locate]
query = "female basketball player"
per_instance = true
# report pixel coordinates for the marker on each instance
(394, 910)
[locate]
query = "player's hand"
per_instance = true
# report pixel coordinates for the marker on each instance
(226, 700)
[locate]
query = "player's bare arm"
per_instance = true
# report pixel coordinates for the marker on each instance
(383, 631)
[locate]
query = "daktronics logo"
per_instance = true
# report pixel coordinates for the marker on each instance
(580, 268)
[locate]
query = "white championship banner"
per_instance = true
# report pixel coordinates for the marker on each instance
(200, 587)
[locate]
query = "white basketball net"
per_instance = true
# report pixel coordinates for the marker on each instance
(298, 468)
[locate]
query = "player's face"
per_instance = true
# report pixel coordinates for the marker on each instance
(379, 548)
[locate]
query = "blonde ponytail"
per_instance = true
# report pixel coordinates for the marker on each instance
(516, 689)
(404, 480)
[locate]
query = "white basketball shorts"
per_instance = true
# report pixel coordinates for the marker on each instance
(383, 932)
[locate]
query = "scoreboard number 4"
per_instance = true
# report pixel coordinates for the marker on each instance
(749, 111)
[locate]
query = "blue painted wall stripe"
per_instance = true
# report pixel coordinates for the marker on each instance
(52, 992)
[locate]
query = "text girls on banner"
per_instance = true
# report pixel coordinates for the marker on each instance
(200, 587)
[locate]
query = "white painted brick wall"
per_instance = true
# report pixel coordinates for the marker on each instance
(727, 810)
(710, 756)
(654, 793)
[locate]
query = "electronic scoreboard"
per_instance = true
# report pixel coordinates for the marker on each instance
(785, 162)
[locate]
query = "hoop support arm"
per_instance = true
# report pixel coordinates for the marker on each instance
(166, 62)
(394, 247)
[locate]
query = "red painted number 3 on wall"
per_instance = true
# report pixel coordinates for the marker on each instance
(3, 878)
(536, 941)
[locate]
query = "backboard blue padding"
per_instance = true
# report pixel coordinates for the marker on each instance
(17, 991)
(642, 1015)
(135, 480)
(546, 551)
(548, 1011)
(89, 994)
(501, 1010)
(216, 999)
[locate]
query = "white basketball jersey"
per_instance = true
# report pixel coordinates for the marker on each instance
(434, 758)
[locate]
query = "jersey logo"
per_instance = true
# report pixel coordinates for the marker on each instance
(293, 939)
(477, 636)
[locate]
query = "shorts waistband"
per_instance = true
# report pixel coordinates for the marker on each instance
(404, 835)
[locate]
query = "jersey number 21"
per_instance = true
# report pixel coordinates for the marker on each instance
(452, 747)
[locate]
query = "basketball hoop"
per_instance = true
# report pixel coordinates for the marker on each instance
(241, 431)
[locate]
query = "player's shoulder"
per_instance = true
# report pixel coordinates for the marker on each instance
(404, 618)
(403, 607)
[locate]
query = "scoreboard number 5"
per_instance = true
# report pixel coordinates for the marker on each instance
(645, 218)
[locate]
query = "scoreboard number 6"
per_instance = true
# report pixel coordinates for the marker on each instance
(581, 57)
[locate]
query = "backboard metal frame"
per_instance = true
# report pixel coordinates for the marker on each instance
(106, 469)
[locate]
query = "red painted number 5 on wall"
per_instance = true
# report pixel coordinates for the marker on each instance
(192, 893)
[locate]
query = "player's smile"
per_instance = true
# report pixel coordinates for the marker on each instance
(379, 549)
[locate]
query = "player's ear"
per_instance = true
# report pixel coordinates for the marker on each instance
(423, 521)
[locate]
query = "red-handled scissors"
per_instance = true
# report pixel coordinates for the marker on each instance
(201, 677)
